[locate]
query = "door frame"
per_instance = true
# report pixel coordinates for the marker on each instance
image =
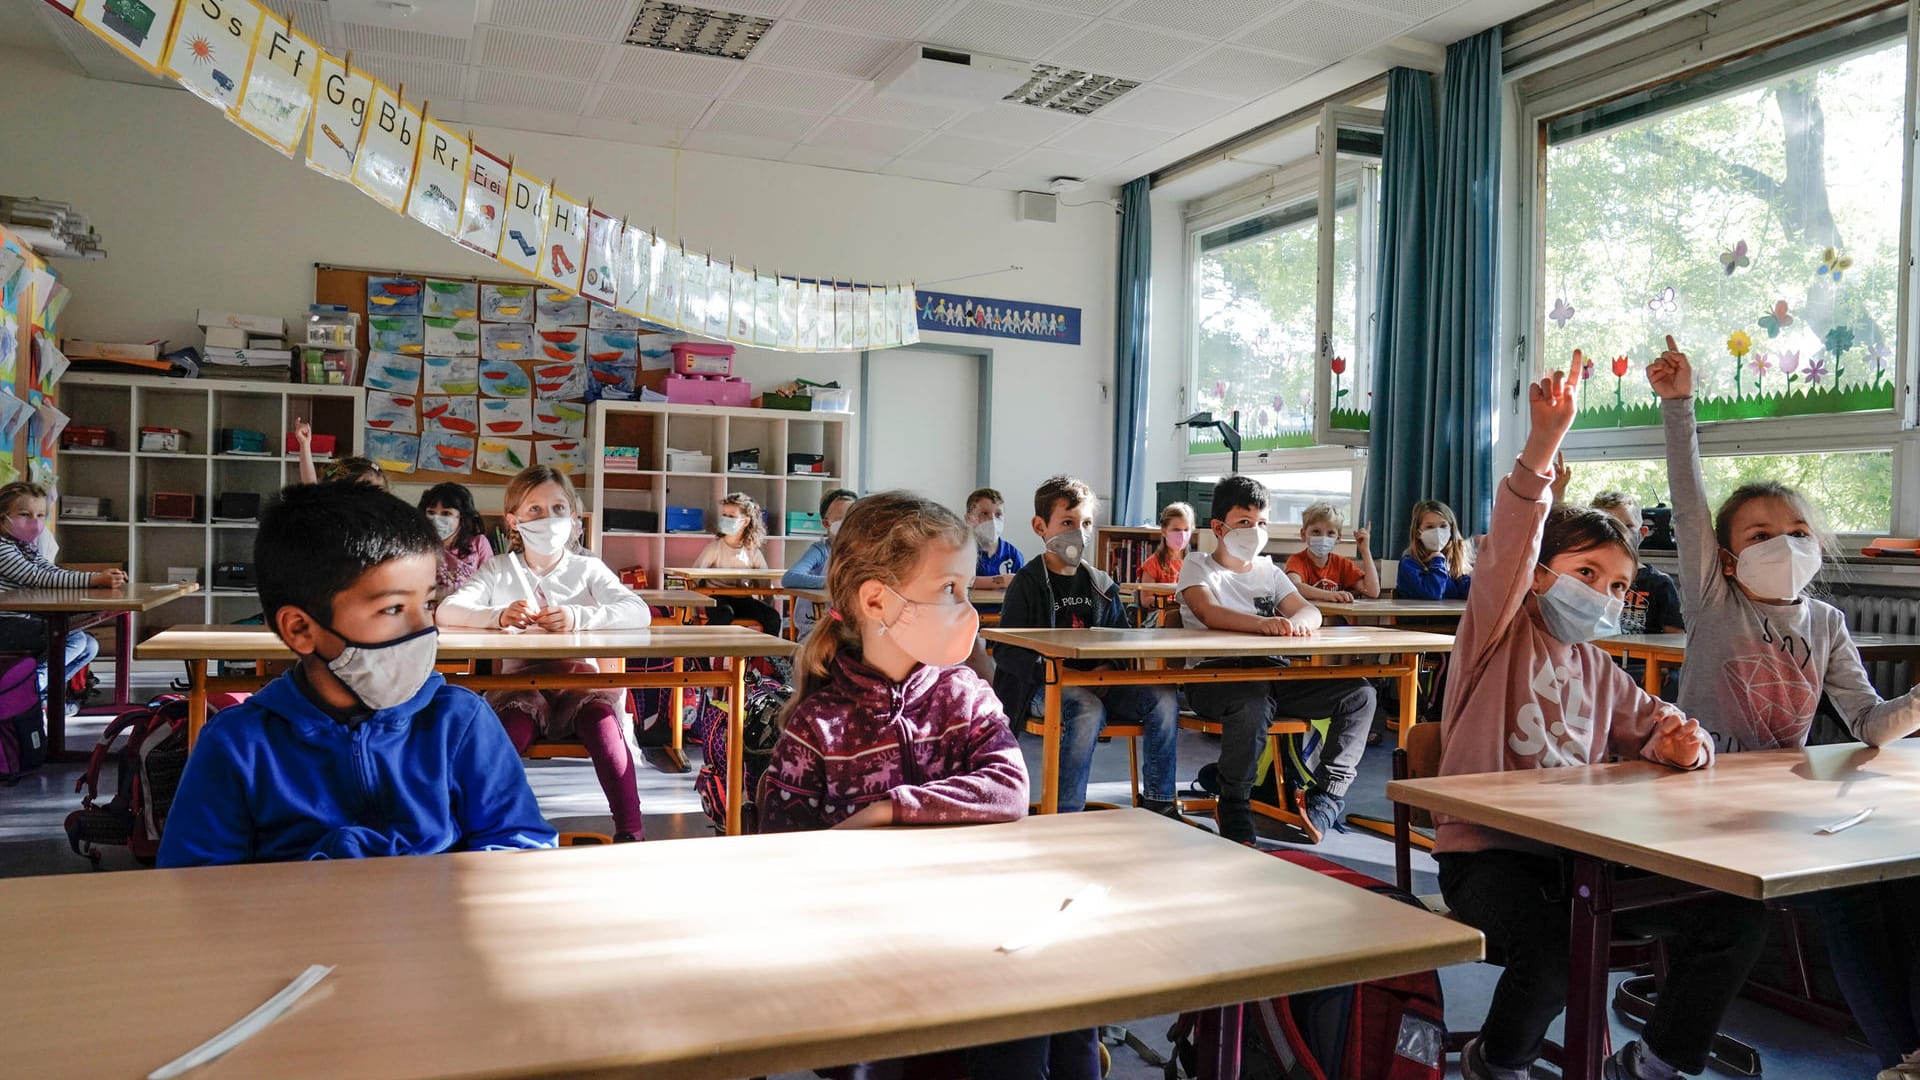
(983, 437)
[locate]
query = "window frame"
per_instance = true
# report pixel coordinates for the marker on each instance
(1682, 50)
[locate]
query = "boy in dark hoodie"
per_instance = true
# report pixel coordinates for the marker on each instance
(361, 749)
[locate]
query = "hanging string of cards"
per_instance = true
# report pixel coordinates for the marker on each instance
(276, 83)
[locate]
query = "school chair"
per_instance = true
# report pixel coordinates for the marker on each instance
(1645, 957)
(1133, 733)
(584, 839)
(1291, 809)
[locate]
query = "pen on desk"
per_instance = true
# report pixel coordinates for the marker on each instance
(1847, 823)
(245, 1028)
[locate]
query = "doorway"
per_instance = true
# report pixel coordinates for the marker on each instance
(926, 421)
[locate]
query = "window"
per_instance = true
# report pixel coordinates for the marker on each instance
(1853, 491)
(1753, 212)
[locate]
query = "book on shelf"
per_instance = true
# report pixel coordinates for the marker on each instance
(248, 357)
(76, 349)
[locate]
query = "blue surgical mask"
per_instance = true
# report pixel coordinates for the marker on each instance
(1575, 612)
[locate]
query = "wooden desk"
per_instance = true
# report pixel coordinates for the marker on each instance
(67, 610)
(883, 943)
(198, 645)
(680, 603)
(1746, 826)
(1389, 611)
(734, 576)
(1659, 650)
(1056, 646)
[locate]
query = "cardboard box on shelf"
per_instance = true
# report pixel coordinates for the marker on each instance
(267, 325)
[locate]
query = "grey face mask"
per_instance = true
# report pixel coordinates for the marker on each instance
(388, 673)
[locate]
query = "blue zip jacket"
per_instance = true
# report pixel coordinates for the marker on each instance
(1429, 582)
(276, 779)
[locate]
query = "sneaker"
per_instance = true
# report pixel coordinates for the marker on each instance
(1635, 1062)
(1234, 818)
(1908, 1069)
(71, 707)
(1163, 807)
(1474, 1066)
(625, 838)
(1325, 812)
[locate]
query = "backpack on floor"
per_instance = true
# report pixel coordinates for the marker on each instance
(765, 699)
(148, 750)
(1387, 1029)
(23, 730)
(1297, 759)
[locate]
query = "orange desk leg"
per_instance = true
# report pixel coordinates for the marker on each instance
(736, 735)
(1409, 695)
(1655, 671)
(1050, 743)
(675, 702)
(196, 700)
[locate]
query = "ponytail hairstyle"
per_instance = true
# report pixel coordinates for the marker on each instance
(1459, 553)
(882, 538)
(522, 485)
(754, 529)
(357, 470)
(1167, 514)
(457, 498)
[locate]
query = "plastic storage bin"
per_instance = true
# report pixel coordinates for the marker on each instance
(700, 358)
(686, 519)
(708, 390)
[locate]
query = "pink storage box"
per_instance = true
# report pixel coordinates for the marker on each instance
(708, 390)
(698, 358)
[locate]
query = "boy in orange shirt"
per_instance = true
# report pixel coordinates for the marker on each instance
(1322, 575)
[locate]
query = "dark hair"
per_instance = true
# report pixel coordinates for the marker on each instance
(982, 493)
(315, 541)
(458, 499)
(1765, 489)
(1055, 490)
(834, 496)
(1573, 529)
(1237, 493)
(359, 470)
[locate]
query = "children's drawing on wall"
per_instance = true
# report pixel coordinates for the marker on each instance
(1023, 320)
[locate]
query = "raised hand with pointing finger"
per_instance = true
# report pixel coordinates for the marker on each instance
(1671, 375)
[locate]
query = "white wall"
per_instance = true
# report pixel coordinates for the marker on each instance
(1167, 372)
(197, 213)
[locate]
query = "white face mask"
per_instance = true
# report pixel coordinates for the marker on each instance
(445, 525)
(1575, 612)
(833, 528)
(729, 525)
(1322, 546)
(987, 533)
(1245, 544)
(388, 673)
(1778, 568)
(546, 536)
(1436, 538)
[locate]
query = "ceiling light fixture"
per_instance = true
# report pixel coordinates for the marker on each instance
(705, 31)
(1065, 90)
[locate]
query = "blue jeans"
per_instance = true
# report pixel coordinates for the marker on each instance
(1070, 1055)
(1874, 959)
(1084, 711)
(28, 634)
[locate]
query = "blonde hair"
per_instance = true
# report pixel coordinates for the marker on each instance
(1458, 552)
(357, 470)
(1167, 514)
(19, 489)
(1618, 500)
(882, 538)
(522, 485)
(1324, 511)
(753, 530)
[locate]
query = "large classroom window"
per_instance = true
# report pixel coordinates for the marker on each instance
(1751, 210)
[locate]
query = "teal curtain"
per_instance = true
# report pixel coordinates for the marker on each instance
(1130, 506)
(1399, 471)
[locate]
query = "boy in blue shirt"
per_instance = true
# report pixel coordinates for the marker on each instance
(362, 749)
(987, 519)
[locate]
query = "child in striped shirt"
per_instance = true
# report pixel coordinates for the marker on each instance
(23, 518)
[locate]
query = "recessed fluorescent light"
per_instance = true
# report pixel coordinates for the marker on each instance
(1065, 90)
(706, 31)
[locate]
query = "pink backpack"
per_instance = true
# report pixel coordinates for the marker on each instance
(23, 731)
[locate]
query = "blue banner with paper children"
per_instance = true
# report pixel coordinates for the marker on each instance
(983, 315)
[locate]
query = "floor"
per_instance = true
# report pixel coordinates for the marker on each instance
(32, 842)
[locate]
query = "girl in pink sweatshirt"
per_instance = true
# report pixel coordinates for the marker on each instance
(889, 727)
(1529, 691)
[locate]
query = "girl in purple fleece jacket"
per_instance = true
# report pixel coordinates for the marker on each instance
(887, 726)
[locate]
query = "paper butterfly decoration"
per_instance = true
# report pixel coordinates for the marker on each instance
(1776, 320)
(1833, 264)
(1664, 302)
(1562, 313)
(1736, 259)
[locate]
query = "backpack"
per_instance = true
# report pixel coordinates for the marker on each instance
(765, 699)
(23, 731)
(1387, 1029)
(148, 749)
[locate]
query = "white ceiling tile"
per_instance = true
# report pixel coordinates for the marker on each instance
(1211, 18)
(733, 145)
(310, 17)
(683, 73)
(914, 114)
(1414, 9)
(19, 30)
(833, 157)
(767, 8)
(934, 170)
(597, 127)
(736, 118)
(423, 80)
(1015, 123)
(1102, 137)
(894, 18)
(982, 154)
(792, 89)
(411, 44)
(543, 55)
(1022, 33)
(1087, 7)
(501, 88)
(602, 20)
(1048, 162)
(1158, 106)
(1125, 51)
(97, 58)
(1240, 73)
(859, 135)
(518, 118)
(1320, 31)
(816, 48)
(638, 106)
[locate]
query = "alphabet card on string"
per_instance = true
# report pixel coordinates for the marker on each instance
(526, 225)
(211, 48)
(140, 31)
(338, 118)
(483, 209)
(663, 291)
(383, 167)
(565, 246)
(278, 97)
(632, 276)
(439, 179)
(597, 280)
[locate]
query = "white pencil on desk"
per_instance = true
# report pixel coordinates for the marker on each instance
(1077, 909)
(246, 1027)
(1843, 825)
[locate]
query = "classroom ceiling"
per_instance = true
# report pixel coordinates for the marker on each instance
(1206, 70)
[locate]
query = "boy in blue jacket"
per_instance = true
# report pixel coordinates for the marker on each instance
(361, 749)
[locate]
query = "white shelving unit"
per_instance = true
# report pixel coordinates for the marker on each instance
(126, 476)
(652, 427)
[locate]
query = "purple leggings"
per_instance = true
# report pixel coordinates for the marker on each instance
(598, 728)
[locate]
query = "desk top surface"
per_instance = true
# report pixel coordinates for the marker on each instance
(239, 643)
(130, 597)
(1393, 608)
(1201, 643)
(675, 598)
